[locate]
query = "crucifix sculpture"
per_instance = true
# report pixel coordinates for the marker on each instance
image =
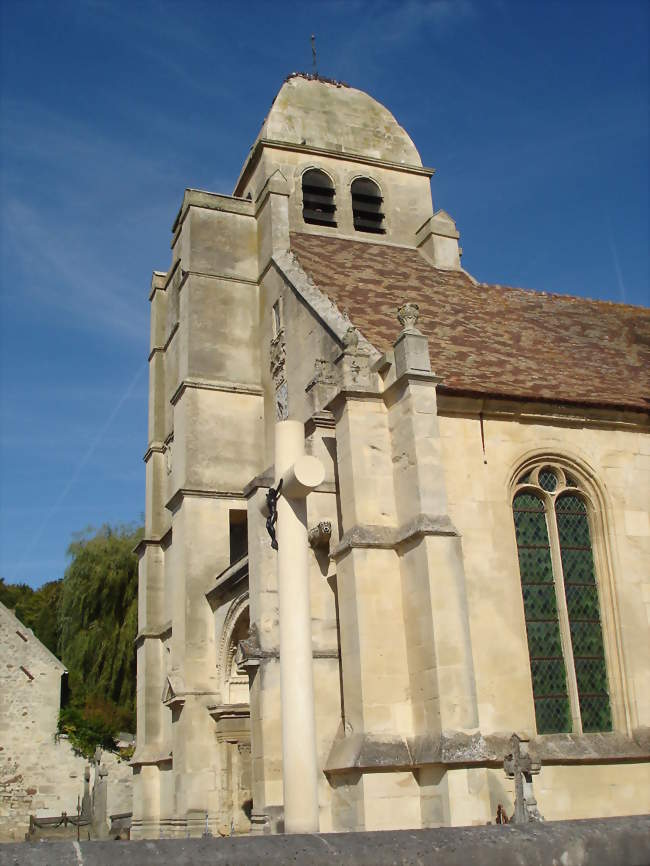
(272, 507)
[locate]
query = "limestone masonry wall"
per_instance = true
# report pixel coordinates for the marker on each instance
(38, 774)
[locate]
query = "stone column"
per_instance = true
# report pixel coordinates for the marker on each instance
(299, 474)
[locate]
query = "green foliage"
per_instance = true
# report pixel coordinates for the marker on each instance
(89, 620)
(98, 613)
(85, 732)
(94, 723)
(36, 608)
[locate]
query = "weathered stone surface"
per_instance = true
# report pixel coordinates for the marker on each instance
(611, 842)
(40, 774)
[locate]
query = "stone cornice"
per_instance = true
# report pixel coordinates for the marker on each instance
(459, 749)
(160, 541)
(153, 754)
(158, 283)
(210, 201)
(216, 385)
(274, 144)
(390, 537)
(391, 392)
(264, 480)
(158, 632)
(165, 346)
(155, 447)
(229, 578)
(319, 421)
(229, 711)
(172, 272)
(345, 395)
(175, 500)
(453, 403)
(228, 278)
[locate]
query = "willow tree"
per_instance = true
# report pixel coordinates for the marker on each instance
(98, 613)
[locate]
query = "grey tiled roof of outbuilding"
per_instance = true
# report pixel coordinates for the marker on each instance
(486, 339)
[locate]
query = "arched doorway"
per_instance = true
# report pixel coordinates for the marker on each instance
(232, 718)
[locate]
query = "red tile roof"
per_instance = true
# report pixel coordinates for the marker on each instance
(489, 339)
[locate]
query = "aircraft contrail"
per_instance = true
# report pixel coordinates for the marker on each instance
(81, 465)
(617, 264)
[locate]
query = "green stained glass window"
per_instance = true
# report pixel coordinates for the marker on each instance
(541, 548)
(547, 479)
(552, 708)
(584, 612)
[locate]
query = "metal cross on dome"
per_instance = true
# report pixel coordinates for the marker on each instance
(313, 53)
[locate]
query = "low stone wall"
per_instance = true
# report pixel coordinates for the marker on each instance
(601, 842)
(45, 778)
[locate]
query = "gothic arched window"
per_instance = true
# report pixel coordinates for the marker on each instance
(318, 205)
(367, 206)
(561, 604)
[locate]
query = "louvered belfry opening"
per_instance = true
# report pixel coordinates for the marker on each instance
(318, 205)
(367, 206)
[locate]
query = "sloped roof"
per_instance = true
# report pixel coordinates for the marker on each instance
(35, 645)
(489, 339)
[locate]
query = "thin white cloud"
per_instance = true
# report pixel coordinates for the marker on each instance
(390, 22)
(64, 275)
(81, 464)
(71, 198)
(617, 264)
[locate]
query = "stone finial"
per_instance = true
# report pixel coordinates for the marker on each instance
(407, 315)
(350, 339)
(411, 349)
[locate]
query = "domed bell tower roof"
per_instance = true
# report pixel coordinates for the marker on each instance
(319, 114)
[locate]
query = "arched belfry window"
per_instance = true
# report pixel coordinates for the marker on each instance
(367, 210)
(318, 204)
(561, 603)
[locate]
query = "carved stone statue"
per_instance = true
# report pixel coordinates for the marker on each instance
(350, 339)
(319, 535)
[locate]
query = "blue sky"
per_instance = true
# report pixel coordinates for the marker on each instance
(534, 114)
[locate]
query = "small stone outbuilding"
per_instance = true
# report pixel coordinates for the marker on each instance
(40, 774)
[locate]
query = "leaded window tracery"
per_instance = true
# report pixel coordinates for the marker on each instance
(561, 604)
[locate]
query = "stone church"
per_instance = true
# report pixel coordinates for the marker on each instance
(394, 515)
